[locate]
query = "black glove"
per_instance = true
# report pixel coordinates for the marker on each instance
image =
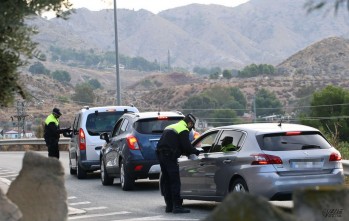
(67, 129)
(197, 152)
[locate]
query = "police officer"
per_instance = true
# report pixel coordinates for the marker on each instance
(173, 143)
(52, 132)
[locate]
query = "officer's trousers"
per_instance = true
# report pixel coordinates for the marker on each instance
(53, 149)
(171, 184)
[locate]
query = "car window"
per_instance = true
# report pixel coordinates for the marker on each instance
(117, 127)
(76, 122)
(228, 141)
(206, 139)
(292, 141)
(154, 125)
(102, 121)
(123, 127)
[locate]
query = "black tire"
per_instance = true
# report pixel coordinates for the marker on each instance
(72, 171)
(106, 180)
(80, 172)
(239, 185)
(126, 181)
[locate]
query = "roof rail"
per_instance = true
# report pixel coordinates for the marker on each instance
(86, 107)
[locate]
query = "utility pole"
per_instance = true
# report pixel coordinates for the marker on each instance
(169, 60)
(254, 109)
(118, 95)
(21, 115)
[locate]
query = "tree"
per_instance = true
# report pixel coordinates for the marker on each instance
(16, 46)
(38, 68)
(312, 5)
(95, 84)
(83, 94)
(267, 103)
(219, 105)
(327, 109)
(61, 76)
(227, 74)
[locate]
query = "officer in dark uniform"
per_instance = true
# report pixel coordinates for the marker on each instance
(52, 132)
(173, 143)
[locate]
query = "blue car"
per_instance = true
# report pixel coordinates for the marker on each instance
(129, 151)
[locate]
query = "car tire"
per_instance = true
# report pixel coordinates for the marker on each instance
(126, 181)
(72, 171)
(80, 172)
(106, 180)
(239, 185)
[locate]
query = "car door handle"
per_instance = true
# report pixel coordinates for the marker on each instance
(226, 161)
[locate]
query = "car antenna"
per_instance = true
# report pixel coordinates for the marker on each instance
(280, 123)
(159, 112)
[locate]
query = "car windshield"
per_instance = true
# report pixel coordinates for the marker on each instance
(154, 125)
(102, 122)
(285, 142)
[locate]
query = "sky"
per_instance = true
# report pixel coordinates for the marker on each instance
(154, 6)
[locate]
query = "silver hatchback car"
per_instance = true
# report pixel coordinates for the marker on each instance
(267, 159)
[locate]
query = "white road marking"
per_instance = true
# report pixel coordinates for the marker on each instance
(10, 175)
(95, 208)
(71, 197)
(79, 203)
(97, 215)
(2, 173)
(6, 181)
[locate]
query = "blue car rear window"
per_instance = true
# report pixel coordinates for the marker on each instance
(153, 125)
(284, 142)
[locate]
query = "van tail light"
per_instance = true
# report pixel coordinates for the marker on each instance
(132, 142)
(82, 139)
(335, 157)
(263, 159)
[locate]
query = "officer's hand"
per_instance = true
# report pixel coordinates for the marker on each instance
(197, 152)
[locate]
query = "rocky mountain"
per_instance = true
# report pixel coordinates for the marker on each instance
(327, 57)
(313, 68)
(259, 31)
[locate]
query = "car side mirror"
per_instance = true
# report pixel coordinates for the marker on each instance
(104, 136)
(206, 148)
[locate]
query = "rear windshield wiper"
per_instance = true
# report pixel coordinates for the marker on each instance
(304, 146)
(157, 131)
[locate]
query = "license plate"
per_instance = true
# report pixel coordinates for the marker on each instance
(154, 142)
(306, 164)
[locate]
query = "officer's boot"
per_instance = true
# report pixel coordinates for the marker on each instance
(169, 206)
(177, 208)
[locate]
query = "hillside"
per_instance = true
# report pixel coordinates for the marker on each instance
(199, 35)
(330, 55)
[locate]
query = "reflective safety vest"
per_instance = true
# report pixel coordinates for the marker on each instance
(51, 119)
(178, 127)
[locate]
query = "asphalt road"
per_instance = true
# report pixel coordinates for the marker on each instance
(89, 200)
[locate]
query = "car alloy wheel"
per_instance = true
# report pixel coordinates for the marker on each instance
(106, 180)
(239, 185)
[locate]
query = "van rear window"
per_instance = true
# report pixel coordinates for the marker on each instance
(154, 125)
(292, 141)
(102, 122)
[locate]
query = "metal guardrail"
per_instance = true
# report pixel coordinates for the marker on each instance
(30, 141)
(345, 164)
